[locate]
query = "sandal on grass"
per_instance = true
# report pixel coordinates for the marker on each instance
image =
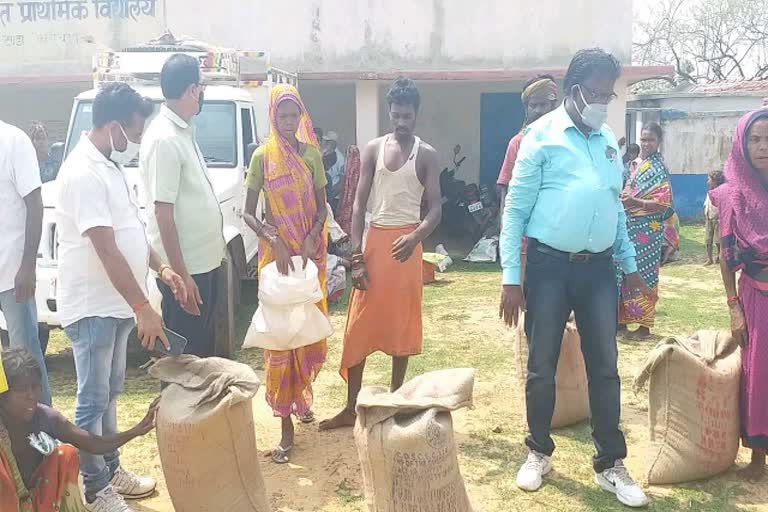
(280, 454)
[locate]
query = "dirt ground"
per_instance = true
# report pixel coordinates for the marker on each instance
(461, 329)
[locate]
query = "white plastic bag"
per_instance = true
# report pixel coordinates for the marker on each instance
(288, 316)
(484, 251)
(447, 262)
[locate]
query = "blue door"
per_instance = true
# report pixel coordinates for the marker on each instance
(501, 117)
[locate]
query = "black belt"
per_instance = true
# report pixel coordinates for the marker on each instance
(573, 257)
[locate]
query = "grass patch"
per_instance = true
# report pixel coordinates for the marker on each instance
(461, 329)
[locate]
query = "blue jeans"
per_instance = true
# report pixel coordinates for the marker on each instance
(23, 333)
(100, 347)
(555, 287)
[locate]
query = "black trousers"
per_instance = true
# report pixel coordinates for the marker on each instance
(555, 287)
(198, 330)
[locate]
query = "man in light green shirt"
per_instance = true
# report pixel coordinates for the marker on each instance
(187, 225)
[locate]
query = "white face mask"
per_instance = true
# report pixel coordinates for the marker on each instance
(594, 115)
(123, 157)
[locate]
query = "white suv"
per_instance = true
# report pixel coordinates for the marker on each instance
(236, 104)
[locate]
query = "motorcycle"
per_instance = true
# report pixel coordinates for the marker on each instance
(468, 210)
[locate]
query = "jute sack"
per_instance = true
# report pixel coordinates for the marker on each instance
(206, 435)
(406, 445)
(693, 409)
(572, 385)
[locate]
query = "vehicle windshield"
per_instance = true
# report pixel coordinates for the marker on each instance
(215, 129)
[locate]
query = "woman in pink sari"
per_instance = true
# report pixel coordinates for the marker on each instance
(743, 205)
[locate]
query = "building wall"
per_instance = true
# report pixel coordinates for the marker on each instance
(329, 35)
(698, 138)
(698, 144)
(332, 107)
(450, 115)
(50, 104)
(706, 104)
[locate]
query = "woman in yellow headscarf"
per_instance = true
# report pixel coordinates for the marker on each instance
(289, 170)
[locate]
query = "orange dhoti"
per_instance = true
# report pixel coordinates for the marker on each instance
(387, 316)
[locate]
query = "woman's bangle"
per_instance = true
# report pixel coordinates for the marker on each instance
(162, 269)
(267, 238)
(734, 301)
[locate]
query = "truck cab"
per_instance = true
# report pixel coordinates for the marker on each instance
(233, 121)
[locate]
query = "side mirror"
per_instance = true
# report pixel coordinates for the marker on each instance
(57, 157)
(57, 152)
(249, 150)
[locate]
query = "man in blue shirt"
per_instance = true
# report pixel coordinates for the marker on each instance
(564, 196)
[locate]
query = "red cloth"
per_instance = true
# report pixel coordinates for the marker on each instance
(347, 202)
(505, 174)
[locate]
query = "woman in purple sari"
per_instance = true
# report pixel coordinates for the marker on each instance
(743, 204)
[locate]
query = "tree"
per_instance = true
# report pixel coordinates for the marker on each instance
(705, 40)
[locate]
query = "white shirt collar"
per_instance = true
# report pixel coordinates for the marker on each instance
(173, 116)
(92, 152)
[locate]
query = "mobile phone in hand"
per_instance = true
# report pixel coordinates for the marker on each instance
(177, 341)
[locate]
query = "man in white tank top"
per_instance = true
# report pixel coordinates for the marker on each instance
(398, 171)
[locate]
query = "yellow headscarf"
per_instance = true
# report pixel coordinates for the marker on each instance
(544, 88)
(280, 155)
(3, 380)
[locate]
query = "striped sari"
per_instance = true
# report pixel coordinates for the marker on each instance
(648, 182)
(289, 193)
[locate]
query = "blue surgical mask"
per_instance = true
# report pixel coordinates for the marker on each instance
(593, 115)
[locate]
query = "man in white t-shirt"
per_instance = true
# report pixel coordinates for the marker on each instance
(21, 223)
(104, 263)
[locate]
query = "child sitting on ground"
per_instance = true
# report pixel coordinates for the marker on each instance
(712, 218)
(37, 472)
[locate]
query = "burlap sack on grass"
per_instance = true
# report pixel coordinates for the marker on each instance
(206, 435)
(406, 445)
(572, 386)
(693, 406)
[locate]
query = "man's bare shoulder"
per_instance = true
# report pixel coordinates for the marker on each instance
(375, 143)
(427, 154)
(427, 147)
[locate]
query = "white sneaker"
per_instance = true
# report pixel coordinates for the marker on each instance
(107, 500)
(616, 480)
(132, 486)
(530, 474)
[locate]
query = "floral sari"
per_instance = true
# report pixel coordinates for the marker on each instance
(289, 193)
(647, 182)
(56, 481)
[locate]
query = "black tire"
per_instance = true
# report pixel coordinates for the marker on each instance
(236, 285)
(43, 332)
(224, 321)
